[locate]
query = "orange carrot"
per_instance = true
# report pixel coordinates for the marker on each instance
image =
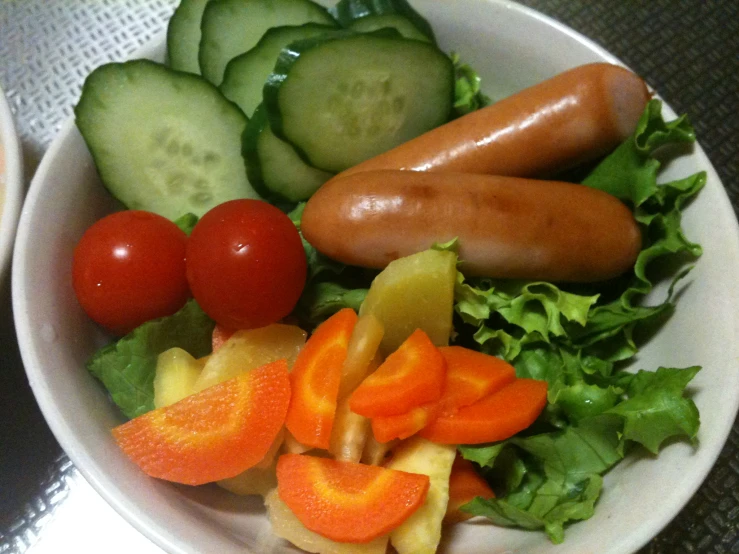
(315, 380)
(465, 484)
(496, 417)
(214, 434)
(387, 428)
(472, 375)
(220, 336)
(347, 501)
(411, 376)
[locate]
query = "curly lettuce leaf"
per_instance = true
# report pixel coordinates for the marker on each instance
(562, 480)
(630, 172)
(657, 409)
(468, 95)
(508, 316)
(186, 223)
(660, 217)
(581, 400)
(127, 367)
(575, 340)
(321, 300)
(536, 308)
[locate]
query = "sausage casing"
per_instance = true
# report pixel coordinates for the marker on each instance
(571, 118)
(507, 227)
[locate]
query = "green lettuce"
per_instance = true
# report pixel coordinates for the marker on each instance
(330, 285)
(186, 222)
(656, 408)
(322, 299)
(509, 315)
(127, 367)
(577, 338)
(468, 95)
(556, 477)
(561, 480)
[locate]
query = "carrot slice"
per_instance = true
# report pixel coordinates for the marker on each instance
(405, 425)
(315, 380)
(347, 501)
(214, 434)
(472, 375)
(220, 336)
(465, 484)
(496, 417)
(411, 376)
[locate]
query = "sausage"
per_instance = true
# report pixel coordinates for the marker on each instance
(507, 227)
(574, 117)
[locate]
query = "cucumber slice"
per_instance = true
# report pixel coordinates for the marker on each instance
(273, 166)
(400, 23)
(246, 74)
(231, 27)
(347, 11)
(345, 97)
(163, 140)
(183, 36)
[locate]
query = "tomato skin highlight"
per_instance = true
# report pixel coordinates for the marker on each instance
(348, 501)
(246, 264)
(129, 268)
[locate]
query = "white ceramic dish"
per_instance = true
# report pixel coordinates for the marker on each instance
(511, 47)
(11, 184)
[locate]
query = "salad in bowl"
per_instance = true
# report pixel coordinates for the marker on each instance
(329, 293)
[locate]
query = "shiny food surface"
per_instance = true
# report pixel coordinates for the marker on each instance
(685, 49)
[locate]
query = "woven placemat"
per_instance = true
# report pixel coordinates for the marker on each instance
(687, 49)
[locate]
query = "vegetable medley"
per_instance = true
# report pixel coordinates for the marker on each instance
(341, 286)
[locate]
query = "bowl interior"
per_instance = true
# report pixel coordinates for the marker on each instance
(11, 184)
(511, 47)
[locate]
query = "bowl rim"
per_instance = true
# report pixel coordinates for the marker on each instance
(12, 196)
(124, 506)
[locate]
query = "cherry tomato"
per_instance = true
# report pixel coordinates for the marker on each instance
(128, 268)
(246, 264)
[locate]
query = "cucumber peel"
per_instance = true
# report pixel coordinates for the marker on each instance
(344, 97)
(347, 12)
(163, 141)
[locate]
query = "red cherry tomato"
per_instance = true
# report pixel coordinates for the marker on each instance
(128, 268)
(246, 264)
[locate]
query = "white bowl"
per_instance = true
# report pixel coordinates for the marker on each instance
(512, 47)
(11, 184)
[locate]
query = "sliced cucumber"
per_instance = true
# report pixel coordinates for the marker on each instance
(273, 166)
(348, 11)
(231, 27)
(345, 97)
(246, 74)
(183, 36)
(398, 22)
(163, 140)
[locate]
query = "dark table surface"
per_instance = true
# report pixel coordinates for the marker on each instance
(688, 50)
